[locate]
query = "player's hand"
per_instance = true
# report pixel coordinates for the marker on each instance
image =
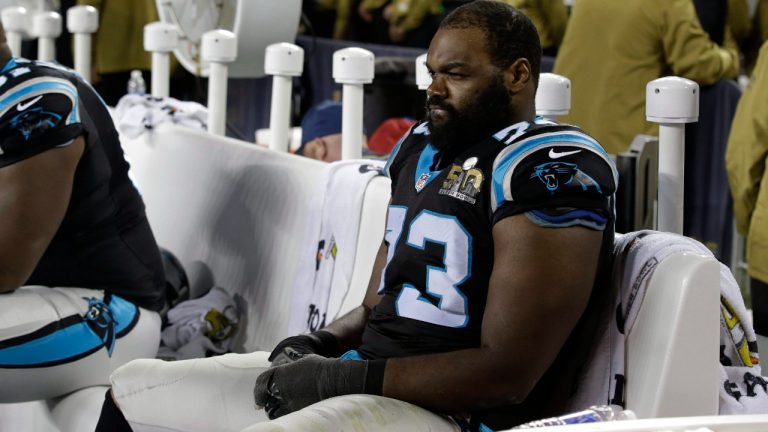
(295, 347)
(284, 389)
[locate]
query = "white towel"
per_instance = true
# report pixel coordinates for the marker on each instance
(198, 326)
(744, 390)
(135, 114)
(326, 264)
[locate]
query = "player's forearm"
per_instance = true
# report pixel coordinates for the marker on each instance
(348, 329)
(458, 382)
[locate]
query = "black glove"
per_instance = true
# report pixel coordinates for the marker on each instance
(293, 348)
(284, 389)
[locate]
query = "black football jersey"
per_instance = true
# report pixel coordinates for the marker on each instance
(104, 240)
(440, 245)
(439, 226)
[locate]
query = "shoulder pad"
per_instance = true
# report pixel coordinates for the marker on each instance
(552, 165)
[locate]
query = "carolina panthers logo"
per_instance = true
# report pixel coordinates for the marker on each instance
(555, 174)
(34, 119)
(102, 322)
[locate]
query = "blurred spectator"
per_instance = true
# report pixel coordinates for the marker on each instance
(550, 18)
(321, 132)
(748, 22)
(329, 18)
(390, 131)
(741, 24)
(118, 45)
(745, 161)
(712, 16)
(404, 22)
(611, 50)
(118, 48)
(739, 19)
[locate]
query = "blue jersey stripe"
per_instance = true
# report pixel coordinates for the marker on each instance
(571, 215)
(69, 342)
(393, 154)
(9, 65)
(426, 160)
(351, 355)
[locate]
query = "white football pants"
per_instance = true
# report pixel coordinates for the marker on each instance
(216, 394)
(54, 341)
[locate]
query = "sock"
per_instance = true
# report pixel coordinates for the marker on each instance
(112, 419)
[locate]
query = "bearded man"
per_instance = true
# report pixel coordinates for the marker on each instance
(498, 234)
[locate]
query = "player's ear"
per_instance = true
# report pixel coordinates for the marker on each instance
(322, 148)
(518, 75)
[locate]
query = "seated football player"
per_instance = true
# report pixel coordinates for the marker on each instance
(480, 305)
(81, 279)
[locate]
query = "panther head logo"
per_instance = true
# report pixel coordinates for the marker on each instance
(34, 119)
(555, 174)
(101, 320)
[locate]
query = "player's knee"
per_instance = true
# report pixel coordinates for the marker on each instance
(140, 375)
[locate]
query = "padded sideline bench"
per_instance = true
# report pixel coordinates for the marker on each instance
(242, 211)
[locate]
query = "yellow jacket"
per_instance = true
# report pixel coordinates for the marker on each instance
(343, 8)
(749, 31)
(549, 16)
(119, 43)
(745, 160)
(739, 22)
(612, 49)
(407, 14)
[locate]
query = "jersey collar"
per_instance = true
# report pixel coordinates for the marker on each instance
(424, 173)
(9, 65)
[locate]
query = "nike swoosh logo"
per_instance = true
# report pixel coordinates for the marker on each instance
(22, 106)
(554, 155)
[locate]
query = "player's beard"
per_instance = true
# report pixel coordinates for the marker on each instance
(490, 112)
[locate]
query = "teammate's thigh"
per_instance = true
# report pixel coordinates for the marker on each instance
(57, 340)
(214, 393)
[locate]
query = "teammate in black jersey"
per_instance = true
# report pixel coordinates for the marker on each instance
(498, 231)
(80, 273)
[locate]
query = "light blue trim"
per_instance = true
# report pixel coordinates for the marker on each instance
(20, 95)
(392, 245)
(444, 268)
(508, 159)
(591, 221)
(484, 428)
(9, 65)
(68, 342)
(393, 154)
(426, 160)
(570, 215)
(351, 355)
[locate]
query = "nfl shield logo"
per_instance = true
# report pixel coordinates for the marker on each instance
(422, 181)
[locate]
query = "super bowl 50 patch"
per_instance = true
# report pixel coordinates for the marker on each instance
(463, 182)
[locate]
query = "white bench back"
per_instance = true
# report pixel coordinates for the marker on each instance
(242, 210)
(673, 362)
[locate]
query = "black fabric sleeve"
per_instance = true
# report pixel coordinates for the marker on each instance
(560, 179)
(36, 117)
